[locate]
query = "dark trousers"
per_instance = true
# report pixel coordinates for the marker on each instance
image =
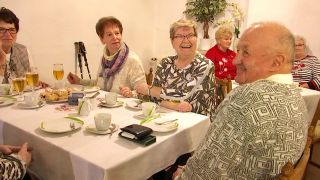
(167, 174)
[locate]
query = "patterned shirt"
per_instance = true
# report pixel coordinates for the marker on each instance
(194, 83)
(222, 62)
(307, 70)
(11, 167)
(256, 130)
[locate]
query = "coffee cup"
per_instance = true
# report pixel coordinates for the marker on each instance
(111, 98)
(32, 99)
(102, 121)
(4, 89)
(148, 108)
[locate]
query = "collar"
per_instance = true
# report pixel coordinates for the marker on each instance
(281, 78)
(106, 56)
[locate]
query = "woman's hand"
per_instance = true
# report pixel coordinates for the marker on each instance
(24, 154)
(177, 172)
(304, 85)
(142, 88)
(126, 92)
(73, 79)
(184, 107)
(8, 149)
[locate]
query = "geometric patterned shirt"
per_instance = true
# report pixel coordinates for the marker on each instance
(307, 70)
(11, 167)
(256, 129)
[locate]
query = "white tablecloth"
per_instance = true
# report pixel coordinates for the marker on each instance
(82, 155)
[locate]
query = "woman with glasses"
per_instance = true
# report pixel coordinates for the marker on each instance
(221, 55)
(185, 81)
(306, 68)
(14, 57)
(120, 68)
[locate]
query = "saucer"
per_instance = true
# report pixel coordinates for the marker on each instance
(112, 128)
(162, 128)
(23, 105)
(117, 104)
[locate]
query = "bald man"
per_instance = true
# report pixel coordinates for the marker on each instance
(261, 124)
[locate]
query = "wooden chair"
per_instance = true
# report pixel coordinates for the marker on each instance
(223, 87)
(296, 172)
(149, 77)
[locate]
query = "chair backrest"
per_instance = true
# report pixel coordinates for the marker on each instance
(223, 87)
(149, 77)
(291, 172)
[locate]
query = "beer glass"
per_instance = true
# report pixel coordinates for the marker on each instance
(19, 85)
(32, 78)
(58, 73)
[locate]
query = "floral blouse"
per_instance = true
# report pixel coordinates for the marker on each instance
(194, 83)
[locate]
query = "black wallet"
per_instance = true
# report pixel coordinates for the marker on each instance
(136, 131)
(147, 140)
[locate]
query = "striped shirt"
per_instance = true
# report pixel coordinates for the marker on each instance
(307, 70)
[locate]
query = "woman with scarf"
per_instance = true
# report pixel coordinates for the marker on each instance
(120, 69)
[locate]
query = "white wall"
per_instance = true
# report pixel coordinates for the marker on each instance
(50, 27)
(301, 17)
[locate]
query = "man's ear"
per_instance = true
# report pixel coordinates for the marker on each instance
(278, 62)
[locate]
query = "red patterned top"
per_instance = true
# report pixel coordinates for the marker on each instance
(222, 62)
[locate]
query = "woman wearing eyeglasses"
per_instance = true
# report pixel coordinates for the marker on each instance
(14, 57)
(306, 68)
(120, 68)
(185, 81)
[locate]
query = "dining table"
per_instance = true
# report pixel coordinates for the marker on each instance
(81, 154)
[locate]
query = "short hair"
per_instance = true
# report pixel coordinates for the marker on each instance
(182, 23)
(284, 37)
(103, 22)
(9, 17)
(223, 30)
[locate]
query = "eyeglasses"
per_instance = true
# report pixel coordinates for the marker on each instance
(10, 30)
(181, 37)
(299, 45)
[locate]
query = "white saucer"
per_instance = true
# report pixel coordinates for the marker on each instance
(6, 101)
(117, 104)
(92, 128)
(162, 128)
(23, 105)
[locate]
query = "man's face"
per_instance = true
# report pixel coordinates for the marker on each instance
(8, 37)
(254, 58)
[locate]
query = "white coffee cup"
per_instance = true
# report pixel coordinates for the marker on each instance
(102, 121)
(148, 108)
(111, 98)
(4, 89)
(32, 99)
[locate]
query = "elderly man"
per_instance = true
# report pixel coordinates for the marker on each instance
(261, 124)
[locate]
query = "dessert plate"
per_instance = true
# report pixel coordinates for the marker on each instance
(117, 104)
(23, 105)
(61, 125)
(92, 129)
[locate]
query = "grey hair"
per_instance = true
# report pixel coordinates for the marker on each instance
(306, 47)
(182, 23)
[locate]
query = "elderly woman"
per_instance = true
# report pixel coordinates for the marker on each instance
(183, 82)
(306, 68)
(221, 55)
(120, 68)
(14, 58)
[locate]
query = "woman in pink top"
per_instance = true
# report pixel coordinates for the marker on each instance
(221, 55)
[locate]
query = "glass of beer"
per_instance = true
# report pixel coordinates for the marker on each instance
(19, 84)
(32, 78)
(58, 72)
